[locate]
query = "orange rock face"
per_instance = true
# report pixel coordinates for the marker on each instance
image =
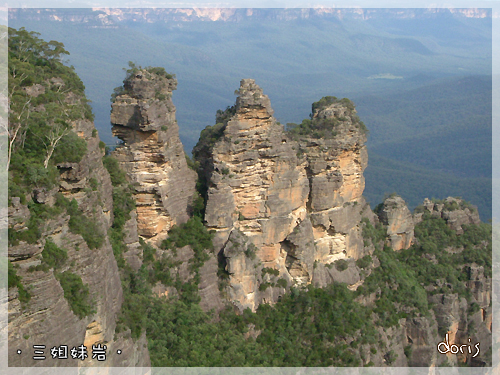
(297, 200)
(152, 154)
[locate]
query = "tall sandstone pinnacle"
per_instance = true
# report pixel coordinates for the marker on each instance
(282, 207)
(143, 117)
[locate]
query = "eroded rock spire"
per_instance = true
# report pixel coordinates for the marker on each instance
(143, 117)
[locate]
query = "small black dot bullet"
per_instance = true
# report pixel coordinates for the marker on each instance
(19, 351)
(119, 351)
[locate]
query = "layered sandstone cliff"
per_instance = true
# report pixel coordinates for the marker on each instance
(297, 203)
(48, 319)
(152, 155)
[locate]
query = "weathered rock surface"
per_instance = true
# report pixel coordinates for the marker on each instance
(47, 318)
(455, 211)
(297, 202)
(250, 282)
(152, 154)
(133, 255)
(396, 216)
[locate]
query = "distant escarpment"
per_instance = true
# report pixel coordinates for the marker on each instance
(152, 155)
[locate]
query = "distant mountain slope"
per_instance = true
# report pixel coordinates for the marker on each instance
(384, 176)
(297, 56)
(433, 140)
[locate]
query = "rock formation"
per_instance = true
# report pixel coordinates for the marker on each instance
(286, 208)
(152, 155)
(335, 166)
(397, 217)
(47, 318)
(297, 202)
(455, 211)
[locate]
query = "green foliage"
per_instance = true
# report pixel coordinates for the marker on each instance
(191, 163)
(132, 71)
(315, 128)
(250, 251)
(93, 183)
(324, 128)
(160, 71)
(401, 295)
(118, 176)
(76, 293)
(161, 96)
(211, 134)
(324, 102)
(208, 137)
(364, 262)
(192, 233)
(264, 286)
(341, 265)
(203, 149)
(451, 205)
(270, 271)
(305, 328)
(376, 235)
(148, 252)
(40, 125)
(473, 308)
(390, 357)
(400, 280)
(134, 309)
(123, 204)
(80, 224)
(447, 273)
(222, 117)
(282, 283)
(408, 351)
(198, 206)
(71, 149)
(52, 255)
(15, 281)
(39, 214)
(136, 291)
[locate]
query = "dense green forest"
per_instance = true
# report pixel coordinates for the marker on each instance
(309, 326)
(434, 141)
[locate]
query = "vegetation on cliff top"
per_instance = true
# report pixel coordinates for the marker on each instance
(132, 71)
(45, 98)
(325, 128)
